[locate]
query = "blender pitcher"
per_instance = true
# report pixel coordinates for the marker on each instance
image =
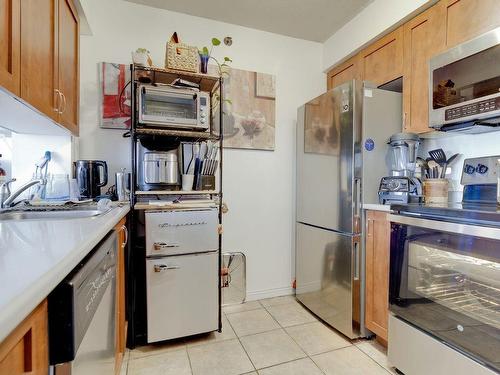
(404, 147)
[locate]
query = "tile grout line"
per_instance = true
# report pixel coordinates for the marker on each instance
(369, 356)
(241, 344)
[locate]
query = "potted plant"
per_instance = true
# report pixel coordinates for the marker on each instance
(141, 57)
(206, 56)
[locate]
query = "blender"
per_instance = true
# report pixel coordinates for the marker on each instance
(402, 186)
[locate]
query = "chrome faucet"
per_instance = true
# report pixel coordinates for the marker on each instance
(7, 198)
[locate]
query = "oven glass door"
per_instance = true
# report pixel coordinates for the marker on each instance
(473, 77)
(448, 284)
(163, 107)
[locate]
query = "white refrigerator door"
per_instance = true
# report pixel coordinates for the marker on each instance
(182, 295)
(181, 232)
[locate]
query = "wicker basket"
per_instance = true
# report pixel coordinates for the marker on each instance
(180, 56)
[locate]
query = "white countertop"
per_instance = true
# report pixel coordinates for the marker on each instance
(35, 255)
(377, 207)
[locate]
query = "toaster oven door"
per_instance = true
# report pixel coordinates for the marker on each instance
(168, 107)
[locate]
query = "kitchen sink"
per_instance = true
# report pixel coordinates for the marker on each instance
(51, 214)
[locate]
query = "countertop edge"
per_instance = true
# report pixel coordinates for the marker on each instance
(20, 307)
(377, 207)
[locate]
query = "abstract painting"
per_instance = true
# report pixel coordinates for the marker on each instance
(114, 80)
(249, 118)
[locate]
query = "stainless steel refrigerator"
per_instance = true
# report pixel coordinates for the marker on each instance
(341, 156)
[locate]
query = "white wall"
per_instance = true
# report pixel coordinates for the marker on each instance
(258, 185)
(377, 18)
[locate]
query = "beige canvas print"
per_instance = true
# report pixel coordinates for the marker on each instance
(249, 121)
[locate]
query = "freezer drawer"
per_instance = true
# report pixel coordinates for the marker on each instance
(181, 232)
(328, 281)
(182, 295)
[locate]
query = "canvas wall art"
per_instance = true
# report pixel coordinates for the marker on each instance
(115, 100)
(249, 121)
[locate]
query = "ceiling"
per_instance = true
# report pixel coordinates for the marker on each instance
(314, 20)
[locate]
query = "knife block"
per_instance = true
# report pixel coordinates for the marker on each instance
(206, 182)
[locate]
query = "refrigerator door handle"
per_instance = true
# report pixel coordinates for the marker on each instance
(357, 205)
(356, 259)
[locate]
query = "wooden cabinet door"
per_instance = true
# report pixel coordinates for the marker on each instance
(424, 37)
(10, 28)
(382, 61)
(38, 55)
(343, 73)
(121, 320)
(25, 350)
(466, 19)
(377, 272)
(68, 67)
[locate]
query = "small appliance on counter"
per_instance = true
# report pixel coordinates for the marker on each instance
(444, 284)
(157, 166)
(402, 186)
(174, 107)
(90, 176)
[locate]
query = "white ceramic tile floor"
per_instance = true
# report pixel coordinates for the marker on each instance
(276, 336)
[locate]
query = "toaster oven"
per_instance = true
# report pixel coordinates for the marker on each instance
(173, 107)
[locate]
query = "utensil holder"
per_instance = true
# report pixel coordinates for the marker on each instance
(436, 190)
(206, 182)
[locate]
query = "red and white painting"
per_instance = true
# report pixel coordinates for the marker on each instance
(115, 99)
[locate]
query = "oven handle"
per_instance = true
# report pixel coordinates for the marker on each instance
(470, 230)
(169, 93)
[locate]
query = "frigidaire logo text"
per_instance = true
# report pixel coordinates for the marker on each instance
(166, 225)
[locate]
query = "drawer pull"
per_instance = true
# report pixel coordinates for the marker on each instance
(164, 267)
(162, 245)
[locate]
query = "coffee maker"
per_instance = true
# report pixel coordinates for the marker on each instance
(401, 186)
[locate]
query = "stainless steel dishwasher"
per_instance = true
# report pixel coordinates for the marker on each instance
(82, 315)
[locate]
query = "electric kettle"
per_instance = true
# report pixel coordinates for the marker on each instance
(90, 176)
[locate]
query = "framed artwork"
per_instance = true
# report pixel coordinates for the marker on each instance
(115, 99)
(249, 120)
(265, 86)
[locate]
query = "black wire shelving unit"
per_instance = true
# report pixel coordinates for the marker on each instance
(136, 258)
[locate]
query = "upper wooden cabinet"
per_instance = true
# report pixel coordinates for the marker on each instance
(466, 19)
(41, 63)
(68, 64)
(382, 61)
(343, 73)
(38, 55)
(424, 37)
(377, 245)
(10, 29)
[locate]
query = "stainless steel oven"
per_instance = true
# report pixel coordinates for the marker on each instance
(173, 107)
(464, 85)
(445, 281)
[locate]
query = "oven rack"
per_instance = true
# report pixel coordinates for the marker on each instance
(472, 298)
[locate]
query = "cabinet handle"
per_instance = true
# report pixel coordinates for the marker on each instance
(125, 230)
(57, 107)
(404, 121)
(164, 267)
(369, 227)
(63, 103)
(162, 245)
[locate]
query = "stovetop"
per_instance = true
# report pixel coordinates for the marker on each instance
(461, 212)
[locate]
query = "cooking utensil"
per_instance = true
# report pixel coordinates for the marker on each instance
(447, 163)
(438, 156)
